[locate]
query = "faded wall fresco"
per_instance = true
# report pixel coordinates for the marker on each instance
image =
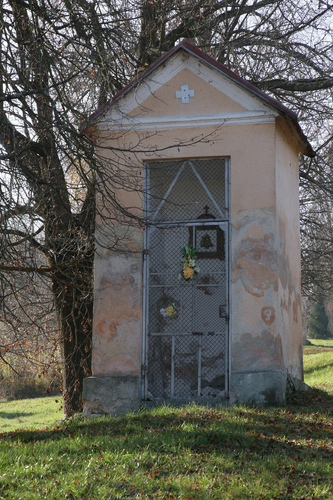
(255, 264)
(256, 340)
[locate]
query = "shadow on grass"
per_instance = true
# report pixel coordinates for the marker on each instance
(40, 395)
(319, 346)
(318, 368)
(290, 445)
(293, 429)
(12, 415)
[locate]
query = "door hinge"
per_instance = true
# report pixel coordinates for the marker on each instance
(143, 371)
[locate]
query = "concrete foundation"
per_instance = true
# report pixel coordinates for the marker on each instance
(120, 394)
(263, 388)
(110, 395)
(259, 388)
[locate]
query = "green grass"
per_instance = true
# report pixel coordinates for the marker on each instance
(318, 364)
(33, 413)
(193, 452)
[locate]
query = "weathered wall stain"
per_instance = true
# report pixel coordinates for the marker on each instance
(255, 264)
(117, 285)
(297, 307)
(120, 302)
(120, 364)
(292, 304)
(117, 318)
(268, 315)
(257, 352)
(107, 329)
(120, 306)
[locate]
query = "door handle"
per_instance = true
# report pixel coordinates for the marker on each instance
(223, 312)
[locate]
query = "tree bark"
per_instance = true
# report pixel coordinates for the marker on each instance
(74, 307)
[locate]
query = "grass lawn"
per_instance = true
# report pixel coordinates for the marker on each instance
(318, 364)
(194, 452)
(33, 413)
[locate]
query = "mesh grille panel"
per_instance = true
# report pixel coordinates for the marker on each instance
(186, 367)
(213, 366)
(178, 190)
(175, 362)
(159, 362)
(187, 351)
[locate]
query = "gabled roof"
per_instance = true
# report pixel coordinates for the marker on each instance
(289, 116)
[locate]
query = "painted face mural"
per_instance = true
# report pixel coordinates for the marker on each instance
(255, 265)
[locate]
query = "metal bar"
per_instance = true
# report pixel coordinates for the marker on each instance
(228, 282)
(226, 366)
(167, 274)
(146, 186)
(199, 367)
(207, 190)
(145, 294)
(172, 366)
(192, 291)
(226, 183)
(181, 288)
(190, 334)
(169, 190)
(189, 222)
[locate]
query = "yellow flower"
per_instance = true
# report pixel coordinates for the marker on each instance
(188, 272)
(171, 311)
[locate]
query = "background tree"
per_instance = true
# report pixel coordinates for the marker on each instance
(316, 182)
(318, 319)
(60, 60)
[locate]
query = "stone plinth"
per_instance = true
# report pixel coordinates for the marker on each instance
(259, 388)
(110, 395)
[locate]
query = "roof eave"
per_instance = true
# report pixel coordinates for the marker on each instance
(289, 115)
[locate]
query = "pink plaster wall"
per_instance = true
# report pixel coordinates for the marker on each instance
(265, 317)
(289, 252)
(163, 102)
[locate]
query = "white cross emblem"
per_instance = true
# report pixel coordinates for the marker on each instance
(184, 94)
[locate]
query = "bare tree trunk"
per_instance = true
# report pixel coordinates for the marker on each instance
(74, 306)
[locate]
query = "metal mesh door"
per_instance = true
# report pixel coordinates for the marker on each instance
(186, 355)
(178, 189)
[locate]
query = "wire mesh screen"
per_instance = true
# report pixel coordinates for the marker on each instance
(178, 189)
(187, 350)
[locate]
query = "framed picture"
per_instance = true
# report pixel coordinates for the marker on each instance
(210, 241)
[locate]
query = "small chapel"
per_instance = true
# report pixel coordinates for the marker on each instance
(197, 269)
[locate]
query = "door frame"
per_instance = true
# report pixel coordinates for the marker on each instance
(145, 281)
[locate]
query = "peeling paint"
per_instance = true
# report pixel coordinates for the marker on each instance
(268, 315)
(254, 351)
(255, 265)
(292, 304)
(123, 365)
(107, 329)
(117, 285)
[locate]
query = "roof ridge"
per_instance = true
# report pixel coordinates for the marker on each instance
(205, 58)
